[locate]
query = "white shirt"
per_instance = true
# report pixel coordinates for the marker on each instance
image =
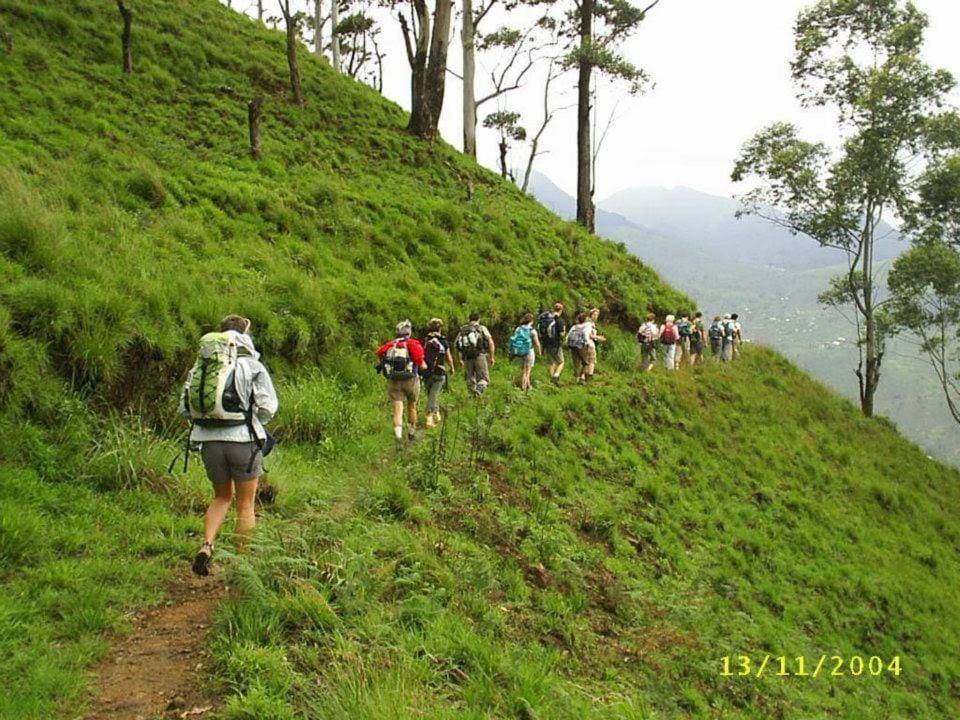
(651, 328)
(589, 333)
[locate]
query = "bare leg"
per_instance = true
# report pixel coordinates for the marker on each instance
(217, 511)
(412, 412)
(246, 517)
(398, 413)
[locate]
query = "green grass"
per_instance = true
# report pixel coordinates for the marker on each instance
(594, 552)
(590, 553)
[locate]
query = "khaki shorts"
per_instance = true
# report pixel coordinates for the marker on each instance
(588, 355)
(226, 461)
(404, 390)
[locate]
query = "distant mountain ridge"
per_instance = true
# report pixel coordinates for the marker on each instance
(700, 225)
(710, 219)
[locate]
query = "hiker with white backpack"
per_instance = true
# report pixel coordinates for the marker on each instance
(582, 341)
(729, 334)
(401, 361)
(524, 345)
(552, 329)
(647, 336)
(477, 354)
(669, 339)
(576, 341)
(439, 361)
(229, 397)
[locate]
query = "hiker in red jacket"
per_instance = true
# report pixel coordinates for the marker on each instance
(401, 361)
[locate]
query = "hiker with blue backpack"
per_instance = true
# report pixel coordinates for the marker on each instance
(552, 328)
(524, 345)
(685, 329)
(439, 361)
(229, 397)
(401, 361)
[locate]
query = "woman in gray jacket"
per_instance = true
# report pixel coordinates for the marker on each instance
(232, 452)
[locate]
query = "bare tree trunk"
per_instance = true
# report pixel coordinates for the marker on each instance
(437, 64)
(254, 117)
(8, 42)
(291, 25)
(585, 209)
(379, 54)
(871, 378)
(260, 10)
(503, 158)
(427, 54)
(417, 56)
(468, 40)
(334, 38)
(547, 117)
(127, 35)
(317, 21)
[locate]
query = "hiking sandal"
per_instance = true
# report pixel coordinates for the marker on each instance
(201, 563)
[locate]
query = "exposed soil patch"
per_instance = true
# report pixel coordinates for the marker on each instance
(157, 670)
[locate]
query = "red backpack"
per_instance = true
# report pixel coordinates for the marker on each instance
(670, 334)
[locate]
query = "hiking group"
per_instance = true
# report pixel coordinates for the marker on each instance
(229, 397)
(405, 361)
(683, 341)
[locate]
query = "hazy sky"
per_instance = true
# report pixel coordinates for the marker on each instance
(721, 70)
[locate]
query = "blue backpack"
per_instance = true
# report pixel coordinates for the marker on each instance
(521, 342)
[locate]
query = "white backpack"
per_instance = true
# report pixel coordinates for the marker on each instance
(210, 394)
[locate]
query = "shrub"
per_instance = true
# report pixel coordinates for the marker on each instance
(148, 187)
(124, 454)
(318, 410)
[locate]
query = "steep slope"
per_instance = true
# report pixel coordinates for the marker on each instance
(584, 553)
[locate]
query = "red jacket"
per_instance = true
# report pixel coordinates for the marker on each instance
(413, 345)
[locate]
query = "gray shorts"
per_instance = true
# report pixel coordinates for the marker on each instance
(554, 355)
(226, 461)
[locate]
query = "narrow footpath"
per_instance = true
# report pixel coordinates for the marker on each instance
(158, 669)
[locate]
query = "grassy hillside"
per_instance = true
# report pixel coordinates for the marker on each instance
(591, 552)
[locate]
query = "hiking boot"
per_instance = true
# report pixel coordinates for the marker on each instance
(201, 563)
(555, 379)
(430, 421)
(411, 433)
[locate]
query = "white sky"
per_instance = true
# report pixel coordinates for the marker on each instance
(721, 69)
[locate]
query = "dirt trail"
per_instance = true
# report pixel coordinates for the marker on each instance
(157, 670)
